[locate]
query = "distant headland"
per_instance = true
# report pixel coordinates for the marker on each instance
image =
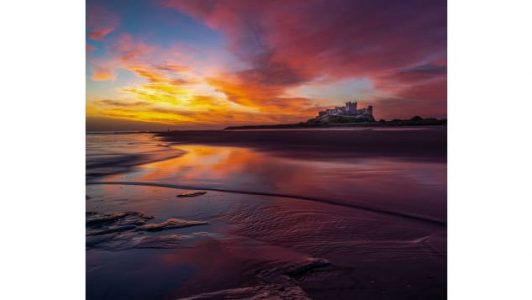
(348, 116)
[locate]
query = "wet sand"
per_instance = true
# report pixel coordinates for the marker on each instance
(345, 220)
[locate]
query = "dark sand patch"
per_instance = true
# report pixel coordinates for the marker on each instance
(271, 291)
(171, 223)
(191, 194)
(136, 240)
(97, 220)
(116, 231)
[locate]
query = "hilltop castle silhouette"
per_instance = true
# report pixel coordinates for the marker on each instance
(349, 110)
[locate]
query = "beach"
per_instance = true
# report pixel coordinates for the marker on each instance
(293, 214)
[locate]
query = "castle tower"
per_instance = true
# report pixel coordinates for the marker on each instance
(351, 107)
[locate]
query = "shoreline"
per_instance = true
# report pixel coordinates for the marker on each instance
(282, 127)
(393, 123)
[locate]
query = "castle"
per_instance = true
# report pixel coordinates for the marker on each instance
(349, 110)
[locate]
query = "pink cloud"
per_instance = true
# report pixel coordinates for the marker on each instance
(129, 49)
(100, 22)
(125, 52)
(99, 34)
(90, 48)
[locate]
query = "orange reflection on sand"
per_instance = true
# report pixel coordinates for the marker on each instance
(203, 162)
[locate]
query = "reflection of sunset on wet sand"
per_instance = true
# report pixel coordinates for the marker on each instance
(382, 182)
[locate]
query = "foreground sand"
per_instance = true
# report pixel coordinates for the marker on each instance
(284, 215)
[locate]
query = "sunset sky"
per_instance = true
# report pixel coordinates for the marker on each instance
(208, 64)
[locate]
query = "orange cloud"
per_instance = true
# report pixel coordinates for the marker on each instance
(267, 99)
(102, 75)
(174, 68)
(174, 95)
(148, 73)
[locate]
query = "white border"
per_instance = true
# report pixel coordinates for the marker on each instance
(42, 151)
(490, 208)
(42, 120)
